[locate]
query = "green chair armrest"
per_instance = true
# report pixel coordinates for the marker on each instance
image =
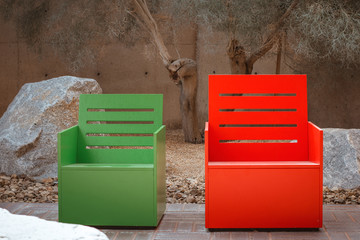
(159, 172)
(159, 146)
(67, 146)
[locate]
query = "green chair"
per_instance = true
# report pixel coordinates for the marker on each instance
(111, 166)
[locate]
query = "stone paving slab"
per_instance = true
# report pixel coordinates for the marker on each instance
(187, 221)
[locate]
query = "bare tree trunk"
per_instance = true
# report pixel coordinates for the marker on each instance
(278, 57)
(182, 71)
(239, 62)
(237, 57)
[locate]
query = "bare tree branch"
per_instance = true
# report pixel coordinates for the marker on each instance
(272, 38)
(279, 53)
(144, 16)
(281, 21)
(269, 43)
(183, 72)
(231, 27)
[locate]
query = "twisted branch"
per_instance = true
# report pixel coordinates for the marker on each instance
(272, 38)
(144, 16)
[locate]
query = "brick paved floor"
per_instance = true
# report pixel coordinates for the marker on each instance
(186, 221)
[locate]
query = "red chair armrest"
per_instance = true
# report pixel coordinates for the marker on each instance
(315, 135)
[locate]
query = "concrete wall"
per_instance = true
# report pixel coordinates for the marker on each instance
(333, 95)
(118, 69)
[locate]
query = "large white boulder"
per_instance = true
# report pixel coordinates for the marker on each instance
(29, 127)
(341, 158)
(14, 226)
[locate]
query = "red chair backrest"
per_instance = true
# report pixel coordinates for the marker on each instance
(246, 109)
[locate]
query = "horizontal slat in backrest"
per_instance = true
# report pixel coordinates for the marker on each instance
(118, 128)
(257, 118)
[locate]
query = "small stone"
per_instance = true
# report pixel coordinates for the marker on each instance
(10, 193)
(20, 195)
(190, 199)
(44, 193)
(29, 195)
(47, 180)
(178, 195)
(5, 177)
(194, 192)
(171, 189)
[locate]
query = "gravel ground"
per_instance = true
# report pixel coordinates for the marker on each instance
(23, 189)
(185, 179)
(185, 169)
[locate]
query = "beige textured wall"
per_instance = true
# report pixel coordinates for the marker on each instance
(118, 69)
(333, 96)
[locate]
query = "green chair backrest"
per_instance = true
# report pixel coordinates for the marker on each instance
(118, 128)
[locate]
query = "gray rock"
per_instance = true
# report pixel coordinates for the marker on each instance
(29, 127)
(342, 158)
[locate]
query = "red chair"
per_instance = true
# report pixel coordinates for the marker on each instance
(263, 159)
